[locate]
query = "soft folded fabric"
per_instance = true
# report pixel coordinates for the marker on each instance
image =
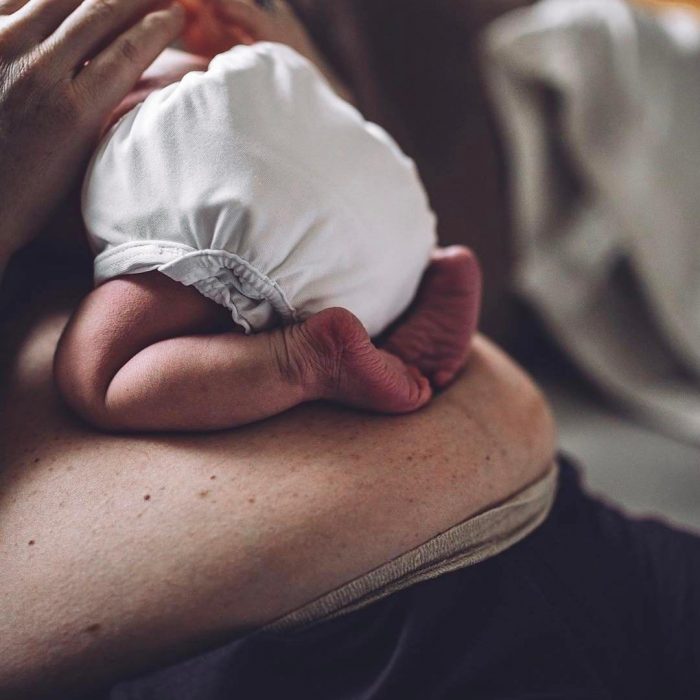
(600, 105)
(256, 184)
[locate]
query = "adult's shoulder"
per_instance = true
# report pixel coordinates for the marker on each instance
(204, 536)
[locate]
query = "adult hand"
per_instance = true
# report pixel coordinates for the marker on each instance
(64, 66)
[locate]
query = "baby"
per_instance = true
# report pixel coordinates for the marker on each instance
(236, 200)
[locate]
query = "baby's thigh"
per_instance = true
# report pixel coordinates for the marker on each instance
(122, 317)
(128, 313)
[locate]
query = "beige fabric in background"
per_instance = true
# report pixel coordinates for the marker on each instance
(600, 104)
(470, 542)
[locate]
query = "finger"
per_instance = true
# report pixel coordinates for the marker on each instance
(113, 72)
(7, 7)
(93, 23)
(40, 18)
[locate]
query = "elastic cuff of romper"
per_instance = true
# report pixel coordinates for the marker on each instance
(255, 301)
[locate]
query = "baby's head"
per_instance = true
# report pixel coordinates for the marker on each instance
(170, 67)
(256, 184)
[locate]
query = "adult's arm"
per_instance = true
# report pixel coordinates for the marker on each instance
(119, 553)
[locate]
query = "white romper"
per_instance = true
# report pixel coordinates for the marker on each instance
(256, 184)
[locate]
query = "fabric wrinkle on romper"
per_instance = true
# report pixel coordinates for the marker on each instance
(256, 184)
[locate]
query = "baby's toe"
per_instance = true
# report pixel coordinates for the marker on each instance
(390, 386)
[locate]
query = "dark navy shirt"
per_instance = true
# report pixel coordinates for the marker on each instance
(591, 605)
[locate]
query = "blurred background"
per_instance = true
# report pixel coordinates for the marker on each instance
(418, 68)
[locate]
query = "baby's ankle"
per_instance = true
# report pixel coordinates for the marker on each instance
(310, 355)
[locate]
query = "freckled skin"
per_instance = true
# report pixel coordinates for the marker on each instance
(224, 564)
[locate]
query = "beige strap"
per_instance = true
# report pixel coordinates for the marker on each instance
(472, 541)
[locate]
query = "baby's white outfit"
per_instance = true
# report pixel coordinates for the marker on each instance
(256, 184)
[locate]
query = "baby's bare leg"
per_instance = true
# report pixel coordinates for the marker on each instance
(112, 326)
(141, 353)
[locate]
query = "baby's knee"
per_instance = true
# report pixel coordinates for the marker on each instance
(81, 374)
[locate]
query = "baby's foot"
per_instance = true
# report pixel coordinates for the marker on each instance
(332, 354)
(436, 335)
(273, 20)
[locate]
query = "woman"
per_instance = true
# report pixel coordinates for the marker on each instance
(119, 553)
